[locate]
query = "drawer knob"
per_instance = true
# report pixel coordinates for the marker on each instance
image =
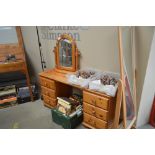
(94, 102)
(93, 112)
(90, 120)
(101, 115)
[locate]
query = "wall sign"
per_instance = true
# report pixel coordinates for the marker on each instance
(53, 32)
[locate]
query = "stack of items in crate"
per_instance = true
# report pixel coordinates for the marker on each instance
(70, 106)
(7, 96)
(68, 112)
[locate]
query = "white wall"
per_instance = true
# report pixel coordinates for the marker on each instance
(148, 91)
(98, 46)
(143, 38)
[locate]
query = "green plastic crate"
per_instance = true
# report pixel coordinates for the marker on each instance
(66, 121)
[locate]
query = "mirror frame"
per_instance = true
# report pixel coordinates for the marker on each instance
(125, 124)
(75, 54)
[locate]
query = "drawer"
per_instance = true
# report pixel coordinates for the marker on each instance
(102, 114)
(89, 109)
(47, 83)
(101, 124)
(94, 122)
(94, 111)
(48, 92)
(96, 100)
(50, 101)
(89, 119)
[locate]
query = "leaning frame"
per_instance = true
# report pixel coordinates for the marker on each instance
(122, 73)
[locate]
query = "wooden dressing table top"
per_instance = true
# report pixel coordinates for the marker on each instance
(61, 77)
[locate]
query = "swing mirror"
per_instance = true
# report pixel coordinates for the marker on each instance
(128, 69)
(66, 54)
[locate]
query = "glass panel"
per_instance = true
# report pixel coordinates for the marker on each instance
(128, 70)
(65, 53)
(8, 35)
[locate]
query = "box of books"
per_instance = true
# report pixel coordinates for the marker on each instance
(64, 105)
(67, 121)
(68, 105)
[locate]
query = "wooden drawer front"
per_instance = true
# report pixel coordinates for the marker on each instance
(49, 101)
(94, 122)
(47, 83)
(89, 109)
(94, 111)
(102, 114)
(96, 100)
(101, 124)
(48, 92)
(89, 119)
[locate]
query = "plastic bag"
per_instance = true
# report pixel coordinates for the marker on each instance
(93, 79)
(105, 82)
(82, 77)
(109, 89)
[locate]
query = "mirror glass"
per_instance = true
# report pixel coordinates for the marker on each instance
(65, 53)
(8, 35)
(128, 71)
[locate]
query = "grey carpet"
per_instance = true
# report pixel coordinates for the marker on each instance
(31, 115)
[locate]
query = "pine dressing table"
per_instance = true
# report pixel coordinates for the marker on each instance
(98, 108)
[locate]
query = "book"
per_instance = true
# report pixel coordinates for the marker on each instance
(79, 107)
(64, 104)
(65, 100)
(62, 109)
